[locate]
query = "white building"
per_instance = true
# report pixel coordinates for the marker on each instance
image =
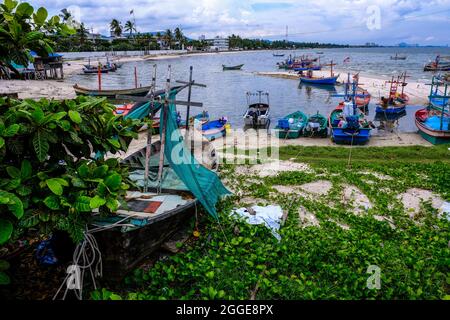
(219, 44)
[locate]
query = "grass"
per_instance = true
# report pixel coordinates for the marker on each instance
(234, 260)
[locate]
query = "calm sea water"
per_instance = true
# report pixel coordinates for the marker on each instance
(225, 92)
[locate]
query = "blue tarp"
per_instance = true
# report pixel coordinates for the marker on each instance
(434, 123)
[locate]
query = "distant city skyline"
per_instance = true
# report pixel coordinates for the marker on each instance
(385, 22)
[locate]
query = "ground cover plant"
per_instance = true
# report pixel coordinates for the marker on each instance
(326, 260)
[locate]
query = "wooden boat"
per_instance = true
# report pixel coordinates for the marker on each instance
(215, 129)
(398, 57)
(150, 220)
(319, 52)
(238, 67)
(362, 98)
(433, 122)
(258, 113)
(94, 70)
(278, 54)
(438, 64)
(358, 133)
(291, 126)
(309, 78)
(111, 94)
(202, 117)
(317, 126)
(396, 102)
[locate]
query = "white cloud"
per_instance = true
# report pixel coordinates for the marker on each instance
(310, 20)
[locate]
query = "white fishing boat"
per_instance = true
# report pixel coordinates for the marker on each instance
(258, 112)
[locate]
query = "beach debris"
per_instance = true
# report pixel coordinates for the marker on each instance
(271, 216)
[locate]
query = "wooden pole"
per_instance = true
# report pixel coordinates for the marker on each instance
(99, 71)
(443, 106)
(148, 151)
(164, 114)
(189, 101)
(135, 78)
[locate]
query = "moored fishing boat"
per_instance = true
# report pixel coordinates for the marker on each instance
(309, 78)
(278, 54)
(396, 102)
(258, 112)
(439, 64)
(226, 68)
(433, 122)
(348, 129)
(215, 129)
(111, 93)
(317, 126)
(291, 126)
(202, 117)
(398, 57)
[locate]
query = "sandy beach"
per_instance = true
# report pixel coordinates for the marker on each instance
(376, 86)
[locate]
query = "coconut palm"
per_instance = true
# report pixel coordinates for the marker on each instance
(179, 37)
(82, 33)
(65, 15)
(130, 27)
(168, 37)
(116, 27)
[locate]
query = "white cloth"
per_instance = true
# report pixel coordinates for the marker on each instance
(348, 109)
(445, 210)
(270, 216)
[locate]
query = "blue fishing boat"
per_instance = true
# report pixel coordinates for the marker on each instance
(310, 79)
(215, 129)
(202, 117)
(348, 124)
(396, 103)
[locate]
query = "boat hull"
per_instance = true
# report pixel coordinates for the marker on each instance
(288, 134)
(239, 67)
(355, 137)
(123, 251)
(431, 135)
(111, 94)
(320, 81)
(214, 130)
(391, 110)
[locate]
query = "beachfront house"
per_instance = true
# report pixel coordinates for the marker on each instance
(218, 44)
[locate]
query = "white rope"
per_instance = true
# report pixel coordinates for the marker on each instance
(87, 256)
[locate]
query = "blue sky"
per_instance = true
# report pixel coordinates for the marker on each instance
(337, 21)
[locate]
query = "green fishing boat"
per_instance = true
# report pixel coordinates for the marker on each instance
(226, 68)
(291, 126)
(316, 126)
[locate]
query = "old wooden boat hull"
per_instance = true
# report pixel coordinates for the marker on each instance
(432, 135)
(238, 67)
(123, 251)
(391, 109)
(111, 94)
(320, 81)
(286, 130)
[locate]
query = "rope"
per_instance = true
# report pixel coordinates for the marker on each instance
(350, 155)
(87, 257)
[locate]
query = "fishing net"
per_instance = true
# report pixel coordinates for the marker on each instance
(204, 184)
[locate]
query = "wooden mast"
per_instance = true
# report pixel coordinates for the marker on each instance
(189, 101)
(148, 150)
(164, 113)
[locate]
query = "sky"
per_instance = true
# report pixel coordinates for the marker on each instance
(386, 22)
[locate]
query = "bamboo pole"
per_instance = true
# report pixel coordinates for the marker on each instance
(164, 114)
(135, 78)
(99, 73)
(189, 101)
(148, 151)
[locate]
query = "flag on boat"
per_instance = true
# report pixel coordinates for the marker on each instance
(132, 11)
(347, 60)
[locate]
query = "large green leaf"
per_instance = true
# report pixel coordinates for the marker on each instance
(38, 115)
(84, 171)
(13, 172)
(40, 145)
(101, 171)
(2, 142)
(11, 130)
(83, 204)
(6, 229)
(75, 116)
(40, 16)
(97, 202)
(10, 4)
(52, 202)
(113, 181)
(4, 265)
(16, 207)
(54, 186)
(26, 170)
(24, 9)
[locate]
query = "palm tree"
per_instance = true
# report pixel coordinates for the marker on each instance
(169, 38)
(82, 33)
(179, 36)
(65, 15)
(116, 27)
(130, 27)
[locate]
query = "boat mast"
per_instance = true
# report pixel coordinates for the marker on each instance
(189, 101)
(443, 105)
(164, 113)
(148, 150)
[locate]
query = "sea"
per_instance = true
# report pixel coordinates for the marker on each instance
(225, 92)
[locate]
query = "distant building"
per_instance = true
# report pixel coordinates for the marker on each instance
(218, 44)
(202, 37)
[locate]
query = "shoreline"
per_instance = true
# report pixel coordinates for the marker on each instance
(375, 85)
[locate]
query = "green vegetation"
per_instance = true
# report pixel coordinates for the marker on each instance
(22, 30)
(236, 261)
(52, 167)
